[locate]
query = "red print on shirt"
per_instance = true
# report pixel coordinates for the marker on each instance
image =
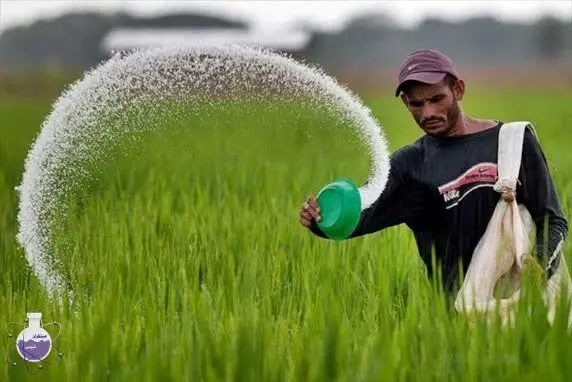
(480, 175)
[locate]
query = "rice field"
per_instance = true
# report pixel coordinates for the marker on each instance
(189, 262)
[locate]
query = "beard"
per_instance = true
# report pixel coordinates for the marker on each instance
(453, 114)
(449, 121)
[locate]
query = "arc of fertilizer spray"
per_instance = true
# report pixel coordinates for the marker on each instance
(73, 121)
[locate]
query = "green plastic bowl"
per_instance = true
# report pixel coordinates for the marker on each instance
(340, 209)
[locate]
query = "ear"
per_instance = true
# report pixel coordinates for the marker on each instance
(459, 89)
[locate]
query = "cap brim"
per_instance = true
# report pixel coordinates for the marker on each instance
(424, 77)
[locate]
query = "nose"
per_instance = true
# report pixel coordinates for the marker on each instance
(428, 112)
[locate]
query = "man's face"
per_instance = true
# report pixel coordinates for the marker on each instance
(435, 108)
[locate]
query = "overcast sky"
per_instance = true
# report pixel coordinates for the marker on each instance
(324, 14)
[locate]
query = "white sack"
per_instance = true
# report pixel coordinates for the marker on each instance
(506, 244)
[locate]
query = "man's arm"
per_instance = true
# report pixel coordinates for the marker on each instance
(396, 204)
(541, 199)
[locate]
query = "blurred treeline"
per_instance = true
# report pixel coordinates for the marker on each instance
(67, 45)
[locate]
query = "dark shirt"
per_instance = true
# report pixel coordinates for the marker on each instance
(442, 189)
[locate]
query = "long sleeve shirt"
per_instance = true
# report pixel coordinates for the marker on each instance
(442, 189)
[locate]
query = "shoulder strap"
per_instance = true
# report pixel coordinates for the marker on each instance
(511, 137)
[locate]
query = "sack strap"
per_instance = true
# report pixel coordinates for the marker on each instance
(511, 137)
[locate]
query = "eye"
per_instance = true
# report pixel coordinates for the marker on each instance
(415, 103)
(437, 98)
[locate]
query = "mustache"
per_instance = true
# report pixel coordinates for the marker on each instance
(431, 119)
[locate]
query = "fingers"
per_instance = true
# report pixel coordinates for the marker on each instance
(305, 216)
(305, 221)
(313, 203)
(310, 211)
(313, 208)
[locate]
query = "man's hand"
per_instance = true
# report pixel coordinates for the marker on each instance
(310, 211)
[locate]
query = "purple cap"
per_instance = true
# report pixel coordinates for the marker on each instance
(425, 65)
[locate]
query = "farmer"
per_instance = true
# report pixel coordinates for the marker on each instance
(441, 185)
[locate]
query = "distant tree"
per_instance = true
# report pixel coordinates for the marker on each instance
(73, 40)
(550, 37)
